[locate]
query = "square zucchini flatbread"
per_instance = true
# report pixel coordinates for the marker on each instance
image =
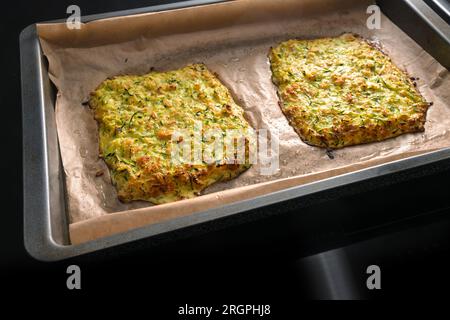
(343, 91)
(137, 117)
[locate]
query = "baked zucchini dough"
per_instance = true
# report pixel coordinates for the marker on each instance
(137, 116)
(343, 91)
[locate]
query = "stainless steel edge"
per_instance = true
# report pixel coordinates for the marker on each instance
(35, 182)
(273, 198)
(59, 252)
(422, 24)
(39, 234)
(155, 8)
(427, 14)
(39, 177)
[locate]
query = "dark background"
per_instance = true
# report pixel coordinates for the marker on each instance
(400, 224)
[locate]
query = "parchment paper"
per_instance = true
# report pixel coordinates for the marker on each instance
(233, 40)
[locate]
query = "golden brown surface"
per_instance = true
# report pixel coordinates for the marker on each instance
(137, 116)
(342, 91)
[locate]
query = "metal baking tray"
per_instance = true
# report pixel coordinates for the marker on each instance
(45, 221)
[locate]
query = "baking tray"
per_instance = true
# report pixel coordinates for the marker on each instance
(45, 219)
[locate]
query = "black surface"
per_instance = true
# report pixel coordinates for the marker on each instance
(256, 261)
